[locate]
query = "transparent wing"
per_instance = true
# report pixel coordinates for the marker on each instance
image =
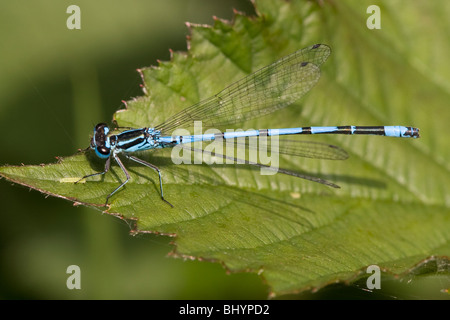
(264, 91)
(290, 146)
(238, 160)
(231, 150)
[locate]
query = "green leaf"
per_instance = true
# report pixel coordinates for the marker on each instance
(393, 206)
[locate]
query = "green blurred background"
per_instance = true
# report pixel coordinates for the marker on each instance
(55, 85)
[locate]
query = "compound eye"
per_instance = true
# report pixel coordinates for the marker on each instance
(100, 126)
(103, 150)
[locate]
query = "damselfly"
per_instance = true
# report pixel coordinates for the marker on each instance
(271, 88)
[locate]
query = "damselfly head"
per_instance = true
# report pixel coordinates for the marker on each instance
(100, 142)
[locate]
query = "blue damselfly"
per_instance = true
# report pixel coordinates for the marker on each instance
(271, 88)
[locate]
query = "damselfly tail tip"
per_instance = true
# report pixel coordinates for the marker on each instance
(413, 132)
